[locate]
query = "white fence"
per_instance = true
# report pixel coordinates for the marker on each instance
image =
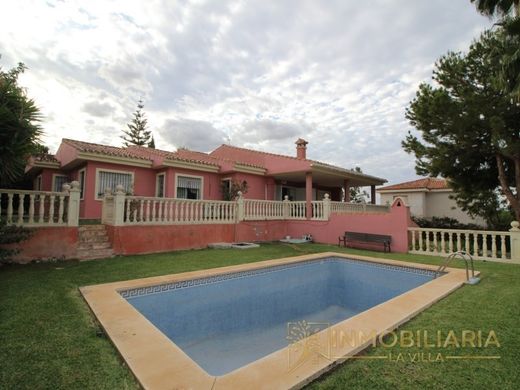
(483, 245)
(263, 209)
(120, 209)
(153, 211)
(41, 208)
(352, 208)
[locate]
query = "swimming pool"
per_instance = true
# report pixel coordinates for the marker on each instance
(228, 321)
(228, 327)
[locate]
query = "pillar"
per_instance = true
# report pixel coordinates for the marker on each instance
(515, 242)
(73, 205)
(308, 194)
(346, 188)
(373, 194)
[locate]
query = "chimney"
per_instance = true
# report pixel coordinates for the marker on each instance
(301, 148)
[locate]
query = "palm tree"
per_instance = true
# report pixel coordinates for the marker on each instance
(499, 8)
(508, 13)
(19, 126)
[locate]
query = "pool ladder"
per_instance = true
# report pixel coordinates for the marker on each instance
(468, 261)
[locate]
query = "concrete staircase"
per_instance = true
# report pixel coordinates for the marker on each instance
(94, 243)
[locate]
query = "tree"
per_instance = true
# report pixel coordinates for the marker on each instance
(357, 194)
(470, 129)
(508, 13)
(231, 188)
(137, 134)
(151, 144)
(19, 126)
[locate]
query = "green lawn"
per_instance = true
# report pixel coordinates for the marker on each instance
(49, 340)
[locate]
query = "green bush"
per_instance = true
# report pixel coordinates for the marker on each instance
(444, 223)
(10, 234)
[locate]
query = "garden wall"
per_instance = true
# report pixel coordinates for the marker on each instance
(127, 240)
(395, 224)
(48, 243)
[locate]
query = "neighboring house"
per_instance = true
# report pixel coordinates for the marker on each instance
(427, 198)
(188, 174)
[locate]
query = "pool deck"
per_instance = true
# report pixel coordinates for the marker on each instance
(158, 363)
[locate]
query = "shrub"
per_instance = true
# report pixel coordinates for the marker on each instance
(10, 234)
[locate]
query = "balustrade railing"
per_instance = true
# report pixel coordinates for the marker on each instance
(352, 208)
(40, 208)
(263, 209)
(150, 210)
(481, 244)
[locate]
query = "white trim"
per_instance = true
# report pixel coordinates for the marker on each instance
(82, 188)
(96, 191)
(194, 177)
(54, 175)
(156, 185)
(115, 159)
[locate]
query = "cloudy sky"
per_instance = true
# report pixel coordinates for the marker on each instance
(256, 74)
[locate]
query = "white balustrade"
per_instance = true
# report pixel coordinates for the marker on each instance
(353, 208)
(297, 210)
(40, 208)
(481, 244)
(140, 210)
(255, 210)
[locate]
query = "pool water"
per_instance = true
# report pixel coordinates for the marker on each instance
(226, 322)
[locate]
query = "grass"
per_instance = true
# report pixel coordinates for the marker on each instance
(49, 339)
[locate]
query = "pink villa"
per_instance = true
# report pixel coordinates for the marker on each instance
(140, 200)
(187, 174)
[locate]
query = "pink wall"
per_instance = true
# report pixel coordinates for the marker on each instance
(394, 224)
(127, 240)
(144, 185)
(48, 243)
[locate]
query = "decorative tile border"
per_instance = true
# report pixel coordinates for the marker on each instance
(159, 288)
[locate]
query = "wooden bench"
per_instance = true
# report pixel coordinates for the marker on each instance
(367, 238)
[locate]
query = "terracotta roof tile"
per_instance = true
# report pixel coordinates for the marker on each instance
(89, 147)
(45, 158)
(429, 183)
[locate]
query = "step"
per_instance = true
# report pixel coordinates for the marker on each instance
(84, 246)
(92, 233)
(89, 228)
(93, 254)
(93, 238)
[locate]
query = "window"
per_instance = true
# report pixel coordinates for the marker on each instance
(111, 179)
(189, 187)
(159, 185)
(38, 183)
(81, 179)
(58, 181)
(226, 189)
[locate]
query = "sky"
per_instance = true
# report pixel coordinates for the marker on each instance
(255, 74)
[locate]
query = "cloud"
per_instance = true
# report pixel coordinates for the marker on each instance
(192, 134)
(259, 73)
(98, 109)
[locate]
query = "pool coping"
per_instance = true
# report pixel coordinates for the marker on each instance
(158, 363)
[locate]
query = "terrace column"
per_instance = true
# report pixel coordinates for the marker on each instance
(346, 188)
(308, 194)
(373, 194)
(515, 242)
(73, 204)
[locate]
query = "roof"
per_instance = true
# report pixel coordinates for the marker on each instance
(428, 183)
(224, 159)
(137, 152)
(89, 147)
(262, 159)
(44, 157)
